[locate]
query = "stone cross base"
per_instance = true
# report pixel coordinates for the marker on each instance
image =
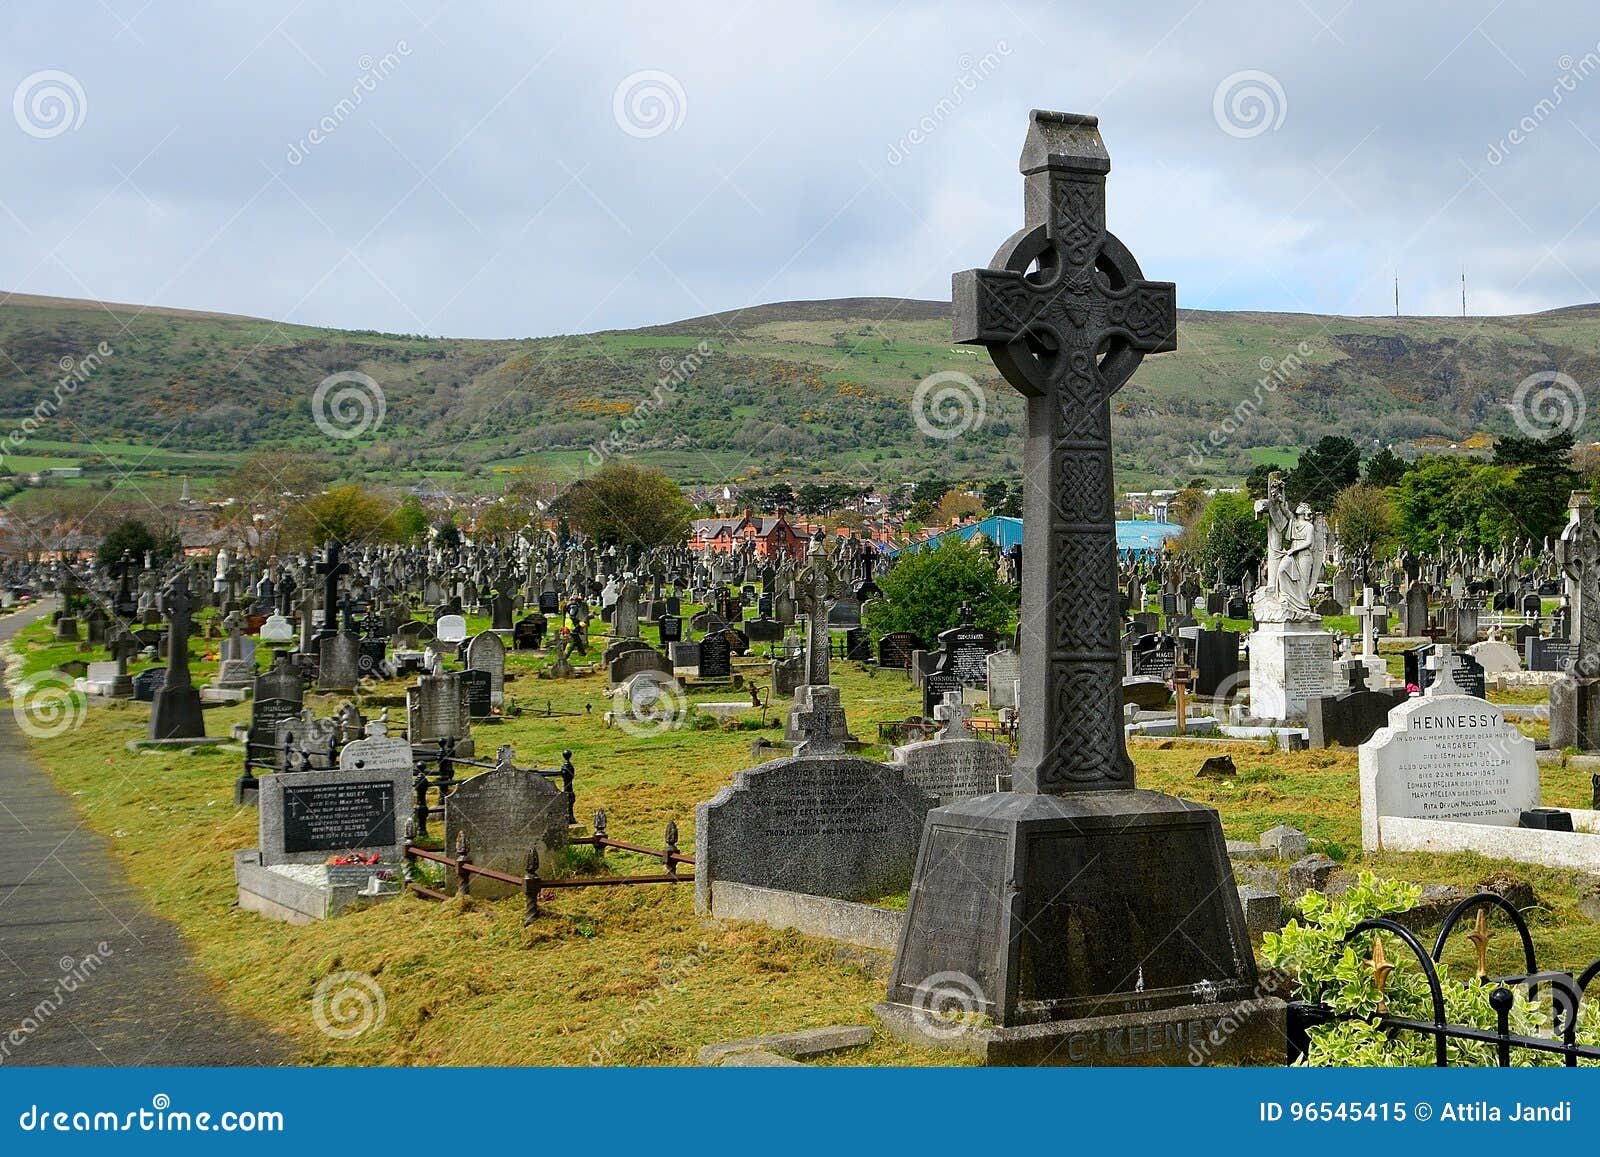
(175, 713)
(1028, 909)
(1246, 1032)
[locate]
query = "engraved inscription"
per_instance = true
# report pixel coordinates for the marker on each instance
(329, 817)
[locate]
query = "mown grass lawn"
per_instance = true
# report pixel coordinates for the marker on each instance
(617, 975)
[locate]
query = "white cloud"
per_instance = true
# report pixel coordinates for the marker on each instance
(481, 186)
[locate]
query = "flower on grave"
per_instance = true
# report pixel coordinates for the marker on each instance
(354, 859)
(1412, 688)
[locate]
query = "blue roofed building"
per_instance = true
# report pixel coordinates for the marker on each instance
(1135, 535)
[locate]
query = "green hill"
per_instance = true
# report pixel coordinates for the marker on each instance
(799, 388)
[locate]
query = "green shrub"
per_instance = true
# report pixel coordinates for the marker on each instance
(1325, 970)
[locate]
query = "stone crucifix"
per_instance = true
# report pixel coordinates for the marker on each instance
(812, 585)
(332, 568)
(1067, 336)
(179, 607)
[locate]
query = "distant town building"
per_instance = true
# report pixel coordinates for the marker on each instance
(771, 535)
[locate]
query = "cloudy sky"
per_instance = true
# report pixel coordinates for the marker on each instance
(514, 169)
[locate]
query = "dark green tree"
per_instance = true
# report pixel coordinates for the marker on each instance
(136, 538)
(822, 497)
(1542, 481)
(1457, 499)
(930, 490)
(1385, 469)
(626, 505)
(1324, 470)
(410, 520)
(1228, 538)
(923, 592)
(766, 499)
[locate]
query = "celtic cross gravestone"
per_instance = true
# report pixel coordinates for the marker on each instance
(175, 712)
(1075, 896)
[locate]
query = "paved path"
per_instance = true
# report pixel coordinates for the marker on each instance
(62, 895)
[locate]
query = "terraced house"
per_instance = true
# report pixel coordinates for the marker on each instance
(772, 535)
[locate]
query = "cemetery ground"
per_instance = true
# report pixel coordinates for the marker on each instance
(627, 975)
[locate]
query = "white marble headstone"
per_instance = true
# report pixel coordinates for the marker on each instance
(1495, 657)
(450, 629)
(277, 629)
(1446, 757)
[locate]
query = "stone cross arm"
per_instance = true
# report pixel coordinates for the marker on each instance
(1063, 297)
(1080, 313)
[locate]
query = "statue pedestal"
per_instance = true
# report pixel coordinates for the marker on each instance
(1289, 663)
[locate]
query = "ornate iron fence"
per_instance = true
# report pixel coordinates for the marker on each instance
(1567, 991)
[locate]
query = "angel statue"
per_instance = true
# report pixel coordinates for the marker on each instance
(1296, 545)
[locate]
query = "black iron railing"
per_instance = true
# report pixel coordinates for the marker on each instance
(1567, 992)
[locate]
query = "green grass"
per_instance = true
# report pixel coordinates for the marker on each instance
(1280, 456)
(466, 984)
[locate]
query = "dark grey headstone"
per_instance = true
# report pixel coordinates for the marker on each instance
(827, 825)
(895, 648)
(338, 663)
(1216, 660)
(630, 663)
(716, 657)
(505, 814)
(307, 817)
(1546, 654)
(761, 630)
(844, 612)
(477, 690)
(1349, 720)
(147, 682)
